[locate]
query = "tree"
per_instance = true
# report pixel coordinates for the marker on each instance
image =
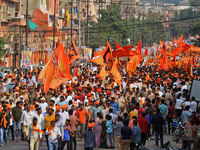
(2, 43)
(122, 29)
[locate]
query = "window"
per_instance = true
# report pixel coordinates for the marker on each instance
(1, 12)
(12, 10)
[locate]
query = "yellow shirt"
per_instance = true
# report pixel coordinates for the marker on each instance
(48, 120)
(131, 114)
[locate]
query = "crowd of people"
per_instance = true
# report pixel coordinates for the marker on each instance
(100, 113)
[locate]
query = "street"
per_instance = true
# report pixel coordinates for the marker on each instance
(22, 145)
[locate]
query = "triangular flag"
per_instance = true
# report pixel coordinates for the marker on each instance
(114, 71)
(73, 53)
(58, 43)
(187, 66)
(147, 77)
(191, 71)
(56, 70)
(76, 71)
(117, 45)
(146, 51)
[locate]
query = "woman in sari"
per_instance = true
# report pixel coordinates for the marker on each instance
(98, 128)
(103, 135)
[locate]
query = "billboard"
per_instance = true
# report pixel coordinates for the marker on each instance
(88, 53)
(26, 59)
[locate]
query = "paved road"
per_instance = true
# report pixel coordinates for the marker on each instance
(22, 145)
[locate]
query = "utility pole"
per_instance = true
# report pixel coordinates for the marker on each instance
(20, 47)
(119, 20)
(14, 53)
(88, 23)
(71, 17)
(99, 25)
(110, 15)
(79, 25)
(126, 25)
(26, 24)
(54, 24)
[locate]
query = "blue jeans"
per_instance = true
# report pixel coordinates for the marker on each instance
(4, 135)
(17, 129)
(109, 138)
(157, 134)
(53, 146)
(165, 126)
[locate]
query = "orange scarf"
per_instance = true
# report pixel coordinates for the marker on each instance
(36, 130)
(71, 132)
(49, 130)
(141, 101)
(4, 121)
(32, 107)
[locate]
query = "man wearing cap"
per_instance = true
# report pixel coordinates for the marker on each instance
(43, 105)
(150, 95)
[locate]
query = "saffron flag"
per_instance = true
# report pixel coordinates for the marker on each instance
(132, 64)
(114, 71)
(105, 57)
(56, 70)
(147, 77)
(146, 51)
(139, 50)
(73, 53)
(191, 71)
(58, 43)
(179, 63)
(76, 71)
(187, 66)
(163, 49)
(193, 61)
(117, 45)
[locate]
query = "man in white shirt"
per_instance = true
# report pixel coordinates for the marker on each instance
(63, 115)
(40, 118)
(183, 86)
(114, 117)
(178, 107)
(43, 105)
(35, 135)
(193, 105)
(27, 117)
(53, 134)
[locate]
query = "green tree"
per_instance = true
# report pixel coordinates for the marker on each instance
(2, 43)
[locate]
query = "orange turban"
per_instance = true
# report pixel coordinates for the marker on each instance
(91, 125)
(58, 107)
(97, 102)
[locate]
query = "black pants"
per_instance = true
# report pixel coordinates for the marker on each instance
(169, 121)
(143, 138)
(133, 146)
(12, 133)
(46, 136)
(89, 148)
(73, 142)
(178, 113)
(63, 144)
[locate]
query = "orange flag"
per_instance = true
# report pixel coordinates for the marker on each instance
(146, 51)
(179, 63)
(114, 71)
(147, 77)
(163, 49)
(187, 66)
(56, 70)
(103, 72)
(76, 71)
(193, 61)
(155, 58)
(105, 56)
(148, 61)
(58, 43)
(191, 71)
(139, 50)
(73, 53)
(132, 64)
(117, 45)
